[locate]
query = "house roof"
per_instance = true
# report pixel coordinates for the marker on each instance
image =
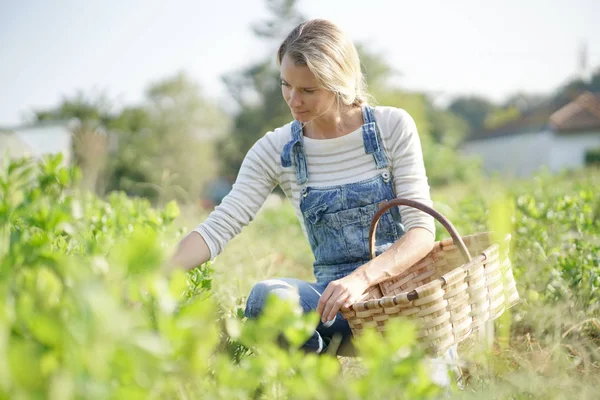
(583, 113)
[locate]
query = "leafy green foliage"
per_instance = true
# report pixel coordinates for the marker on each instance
(85, 311)
(549, 345)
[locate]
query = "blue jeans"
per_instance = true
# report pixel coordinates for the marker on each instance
(308, 295)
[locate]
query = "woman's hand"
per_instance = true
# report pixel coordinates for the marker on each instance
(405, 252)
(341, 293)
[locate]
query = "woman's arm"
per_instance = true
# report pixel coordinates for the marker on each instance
(410, 178)
(410, 182)
(191, 251)
(255, 181)
(404, 253)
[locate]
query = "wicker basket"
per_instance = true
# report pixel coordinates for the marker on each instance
(448, 293)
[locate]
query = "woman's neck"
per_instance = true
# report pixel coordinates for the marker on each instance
(334, 125)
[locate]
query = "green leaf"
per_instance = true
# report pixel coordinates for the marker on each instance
(171, 211)
(46, 328)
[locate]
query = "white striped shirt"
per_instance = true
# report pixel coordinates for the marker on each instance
(330, 162)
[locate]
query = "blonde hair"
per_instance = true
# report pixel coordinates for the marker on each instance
(331, 56)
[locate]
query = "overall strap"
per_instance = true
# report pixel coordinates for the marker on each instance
(372, 138)
(295, 148)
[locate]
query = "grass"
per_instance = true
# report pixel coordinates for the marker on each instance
(547, 349)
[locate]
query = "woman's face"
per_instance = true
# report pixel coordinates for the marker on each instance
(302, 93)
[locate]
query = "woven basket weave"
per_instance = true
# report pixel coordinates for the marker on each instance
(448, 293)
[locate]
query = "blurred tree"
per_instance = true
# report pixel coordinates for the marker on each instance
(284, 17)
(132, 164)
(440, 132)
(473, 109)
(163, 149)
(524, 102)
(378, 72)
(501, 116)
(446, 127)
(257, 91)
(167, 146)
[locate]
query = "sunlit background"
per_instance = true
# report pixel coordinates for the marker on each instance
(147, 102)
(179, 92)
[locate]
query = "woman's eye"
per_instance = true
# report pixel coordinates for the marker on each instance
(284, 84)
(309, 90)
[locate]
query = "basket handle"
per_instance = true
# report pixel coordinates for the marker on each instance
(385, 206)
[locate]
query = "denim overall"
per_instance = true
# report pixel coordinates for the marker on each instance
(338, 218)
(337, 221)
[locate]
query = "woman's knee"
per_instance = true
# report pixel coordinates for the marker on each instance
(261, 291)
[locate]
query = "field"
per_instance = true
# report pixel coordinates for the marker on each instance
(86, 311)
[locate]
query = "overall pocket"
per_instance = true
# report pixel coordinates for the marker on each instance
(343, 236)
(355, 224)
(324, 235)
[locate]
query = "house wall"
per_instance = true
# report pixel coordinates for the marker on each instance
(12, 146)
(516, 155)
(36, 141)
(524, 154)
(568, 149)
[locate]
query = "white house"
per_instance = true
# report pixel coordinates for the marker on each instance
(36, 140)
(555, 139)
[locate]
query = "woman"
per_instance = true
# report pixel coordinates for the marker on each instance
(336, 162)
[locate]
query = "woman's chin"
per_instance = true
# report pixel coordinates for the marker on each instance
(302, 117)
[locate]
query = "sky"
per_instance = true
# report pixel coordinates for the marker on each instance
(49, 50)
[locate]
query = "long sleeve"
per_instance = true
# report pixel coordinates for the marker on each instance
(256, 179)
(410, 179)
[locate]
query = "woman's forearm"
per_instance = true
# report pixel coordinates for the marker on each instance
(191, 251)
(405, 252)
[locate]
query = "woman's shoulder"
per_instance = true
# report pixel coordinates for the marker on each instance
(394, 119)
(276, 139)
(265, 153)
(271, 143)
(393, 114)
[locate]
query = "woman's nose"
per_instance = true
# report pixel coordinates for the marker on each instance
(295, 99)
